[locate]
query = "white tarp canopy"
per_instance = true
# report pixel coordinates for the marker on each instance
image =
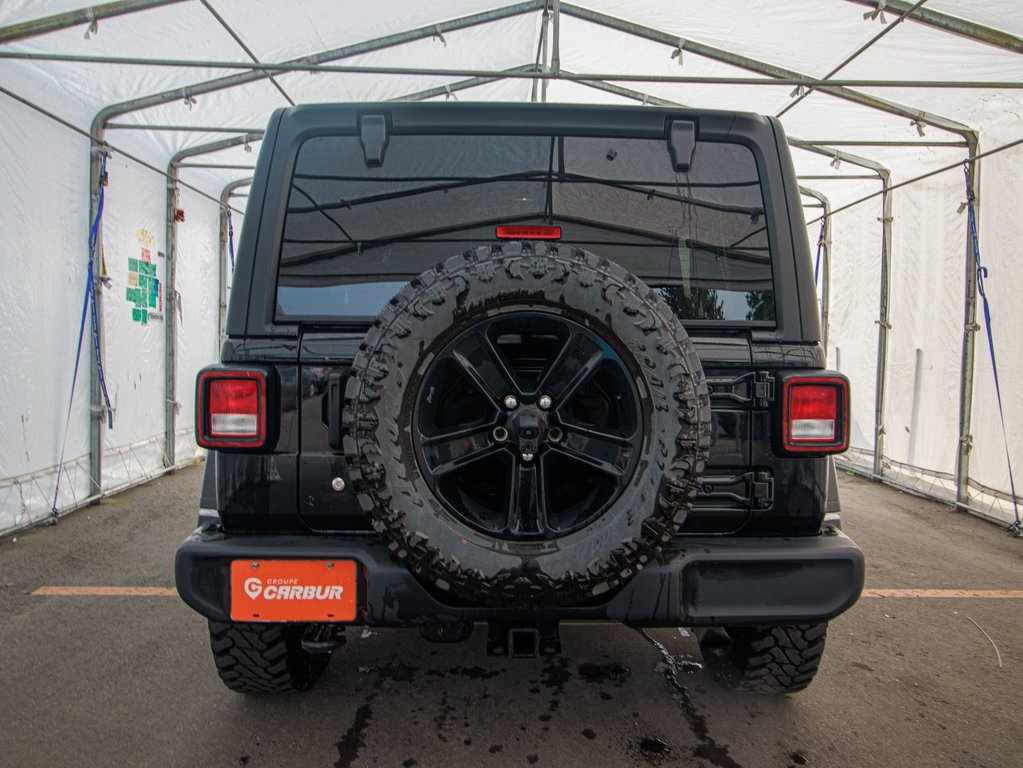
(173, 87)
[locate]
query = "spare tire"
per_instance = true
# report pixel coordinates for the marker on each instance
(526, 424)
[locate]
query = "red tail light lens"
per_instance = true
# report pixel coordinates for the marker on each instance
(231, 409)
(815, 414)
(538, 232)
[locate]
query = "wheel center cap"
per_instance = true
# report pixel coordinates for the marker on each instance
(527, 427)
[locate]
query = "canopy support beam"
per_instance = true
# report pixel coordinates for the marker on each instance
(58, 21)
(877, 143)
(179, 128)
(763, 68)
(248, 51)
(968, 29)
(800, 94)
(541, 56)
(461, 85)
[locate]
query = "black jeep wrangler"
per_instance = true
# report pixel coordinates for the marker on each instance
(515, 364)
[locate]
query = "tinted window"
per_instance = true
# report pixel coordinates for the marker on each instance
(354, 234)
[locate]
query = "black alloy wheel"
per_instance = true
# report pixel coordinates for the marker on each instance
(528, 425)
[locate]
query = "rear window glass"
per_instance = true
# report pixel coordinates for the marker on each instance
(354, 235)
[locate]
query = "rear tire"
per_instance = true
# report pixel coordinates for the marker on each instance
(774, 660)
(264, 658)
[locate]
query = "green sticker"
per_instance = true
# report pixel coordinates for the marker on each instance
(152, 300)
(133, 264)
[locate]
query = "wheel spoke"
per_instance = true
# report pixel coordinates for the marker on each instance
(451, 451)
(484, 367)
(576, 362)
(606, 452)
(527, 502)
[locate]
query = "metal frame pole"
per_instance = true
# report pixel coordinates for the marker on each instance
(763, 68)
(970, 329)
(546, 61)
(170, 305)
(178, 128)
(556, 39)
(97, 408)
(461, 85)
(825, 245)
(968, 29)
(170, 285)
(883, 324)
(87, 15)
(541, 56)
(222, 271)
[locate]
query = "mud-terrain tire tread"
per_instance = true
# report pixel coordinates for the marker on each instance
(768, 660)
(264, 658)
(371, 432)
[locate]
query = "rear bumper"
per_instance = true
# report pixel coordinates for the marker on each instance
(708, 581)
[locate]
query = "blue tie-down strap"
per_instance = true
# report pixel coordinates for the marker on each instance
(230, 239)
(982, 273)
(90, 288)
(88, 301)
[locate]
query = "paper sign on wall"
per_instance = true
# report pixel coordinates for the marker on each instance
(144, 290)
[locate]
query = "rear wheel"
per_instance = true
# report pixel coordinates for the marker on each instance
(781, 659)
(264, 658)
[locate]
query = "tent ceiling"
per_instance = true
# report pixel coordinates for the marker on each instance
(733, 38)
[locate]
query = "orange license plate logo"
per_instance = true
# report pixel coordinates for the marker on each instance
(293, 590)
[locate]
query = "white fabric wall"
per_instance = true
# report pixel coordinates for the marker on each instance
(45, 254)
(198, 251)
(135, 200)
(42, 258)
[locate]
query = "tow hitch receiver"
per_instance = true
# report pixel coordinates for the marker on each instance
(523, 641)
(322, 638)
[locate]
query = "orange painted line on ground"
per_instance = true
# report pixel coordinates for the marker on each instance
(996, 594)
(106, 591)
(975, 594)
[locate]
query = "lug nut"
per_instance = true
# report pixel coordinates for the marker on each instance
(545, 402)
(500, 434)
(554, 434)
(511, 402)
(338, 484)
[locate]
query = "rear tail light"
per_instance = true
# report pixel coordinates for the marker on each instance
(815, 414)
(230, 408)
(535, 232)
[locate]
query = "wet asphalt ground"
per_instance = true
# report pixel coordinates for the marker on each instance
(102, 681)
